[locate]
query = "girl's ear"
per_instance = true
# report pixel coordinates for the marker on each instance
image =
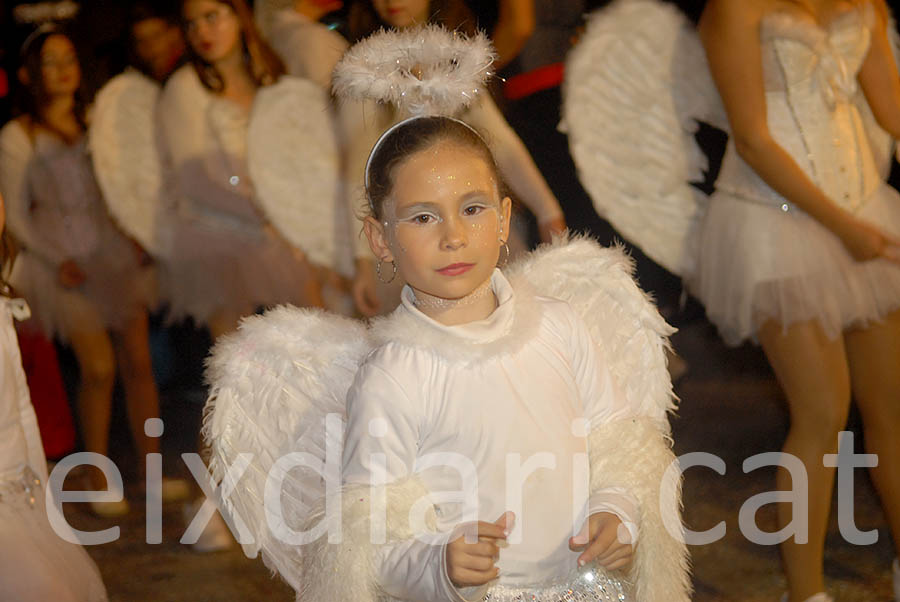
(505, 216)
(22, 74)
(378, 240)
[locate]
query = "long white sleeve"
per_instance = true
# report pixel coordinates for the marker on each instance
(309, 49)
(383, 431)
(515, 162)
(604, 404)
(16, 152)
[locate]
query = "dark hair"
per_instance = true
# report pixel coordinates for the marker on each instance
(263, 64)
(7, 256)
(411, 137)
(34, 95)
(362, 20)
(145, 10)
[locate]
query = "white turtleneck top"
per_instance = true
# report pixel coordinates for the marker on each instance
(478, 408)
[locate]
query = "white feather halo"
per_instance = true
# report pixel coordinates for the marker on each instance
(426, 70)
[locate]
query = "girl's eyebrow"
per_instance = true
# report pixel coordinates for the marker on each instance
(427, 205)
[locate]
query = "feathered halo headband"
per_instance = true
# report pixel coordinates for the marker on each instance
(423, 71)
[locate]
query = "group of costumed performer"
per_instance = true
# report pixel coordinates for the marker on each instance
(798, 246)
(558, 356)
(215, 174)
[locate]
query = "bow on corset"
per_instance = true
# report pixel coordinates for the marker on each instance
(835, 79)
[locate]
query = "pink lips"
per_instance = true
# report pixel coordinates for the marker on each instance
(456, 269)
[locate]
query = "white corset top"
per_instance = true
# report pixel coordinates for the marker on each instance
(812, 92)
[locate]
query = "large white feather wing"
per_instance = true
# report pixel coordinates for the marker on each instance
(597, 282)
(294, 163)
(123, 143)
(273, 383)
(635, 85)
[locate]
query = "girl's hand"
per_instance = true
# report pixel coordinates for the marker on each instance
(365, 293)
(70, 275)
(605, 539)
(866, 242)
(472, 564)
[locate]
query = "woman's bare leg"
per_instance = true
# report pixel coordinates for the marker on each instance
(874, 358)
(96, 361)
(813, 373)
(132, 347)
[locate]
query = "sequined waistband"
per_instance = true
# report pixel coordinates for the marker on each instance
(591, 585)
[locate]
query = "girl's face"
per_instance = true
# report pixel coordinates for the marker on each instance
(444, 222)
(402, 13)
(158, 44)
(60, 72)
(213, 29)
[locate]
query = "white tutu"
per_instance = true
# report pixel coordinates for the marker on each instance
(235, 270)
(36, 565)
(758, 262)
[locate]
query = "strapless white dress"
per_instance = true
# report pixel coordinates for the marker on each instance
(759, 256)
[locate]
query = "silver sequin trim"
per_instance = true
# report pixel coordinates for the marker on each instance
(590, 586)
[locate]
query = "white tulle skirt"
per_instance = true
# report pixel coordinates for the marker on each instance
(116, 289)
(233, 270)
(757, 262)
(36, 565)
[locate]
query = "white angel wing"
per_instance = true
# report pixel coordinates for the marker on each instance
(273, 383)
(123, 143)
(635, 86)
(294, 162)
(597, 282)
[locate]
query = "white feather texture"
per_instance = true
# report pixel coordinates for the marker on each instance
(597, 282)
(275, 380)
(635, 86)
(425, 70)
(632, 454)
(273, 383)
(125, 154)
(294, 162)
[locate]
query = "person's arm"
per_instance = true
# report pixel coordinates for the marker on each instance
(516, 166)
(631, 480)
(359, 124)
(879, 78)
(729, 30)
(380, 448)
(16, 152)
(309, 48)
(515, 25)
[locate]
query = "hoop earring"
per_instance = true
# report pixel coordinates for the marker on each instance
(503, 263)
(378, 272)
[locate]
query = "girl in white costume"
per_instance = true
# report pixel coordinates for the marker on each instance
(226, 259)
(472, 384)
(460, 372)
(35, 563)
(364, 120)
(81, 275)
(798, 247)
